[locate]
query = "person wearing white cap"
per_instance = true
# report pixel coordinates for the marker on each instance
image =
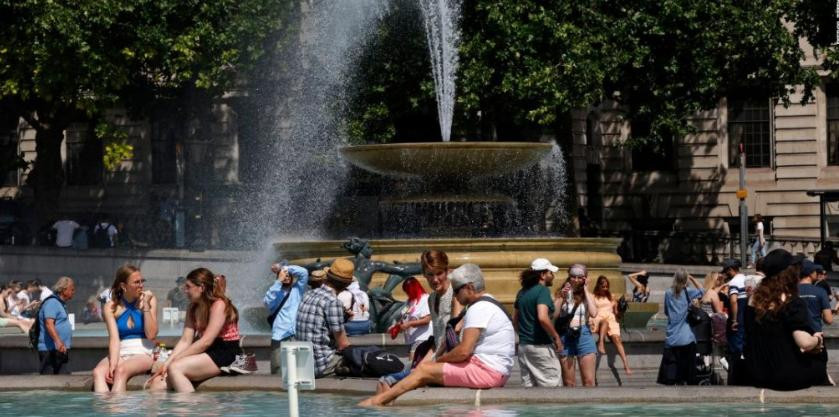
(539, 343)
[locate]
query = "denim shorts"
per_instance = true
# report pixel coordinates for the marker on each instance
(578, 346)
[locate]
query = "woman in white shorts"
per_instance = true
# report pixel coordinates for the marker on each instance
(131, 319)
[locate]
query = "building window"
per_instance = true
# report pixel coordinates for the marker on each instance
(833, 124)
(650, 154)
(749, 123)
(84, 156)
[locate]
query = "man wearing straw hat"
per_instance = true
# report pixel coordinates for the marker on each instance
(320, 318)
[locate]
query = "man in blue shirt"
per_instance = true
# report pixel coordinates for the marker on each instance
(56, 333)
(285, 294)
(816, 298)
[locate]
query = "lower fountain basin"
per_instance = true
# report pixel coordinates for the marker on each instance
(501, 259)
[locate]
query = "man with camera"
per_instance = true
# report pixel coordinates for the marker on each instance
(282, 301)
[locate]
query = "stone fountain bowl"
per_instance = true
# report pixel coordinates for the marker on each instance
(446, 159)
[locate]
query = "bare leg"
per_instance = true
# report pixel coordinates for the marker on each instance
(602, 330)
(587, 369)
(424, 374)
(127, 368)
(622, 353)
(569, 379)
(100, 376)
(381, 387)
(23, 324)
(182, 372)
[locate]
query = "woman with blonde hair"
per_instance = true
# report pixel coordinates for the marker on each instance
(131, 319)
(714, 285)
(605, 323)
(210, 339)
(678, 362)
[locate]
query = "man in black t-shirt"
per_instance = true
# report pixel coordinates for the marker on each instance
(816, 298)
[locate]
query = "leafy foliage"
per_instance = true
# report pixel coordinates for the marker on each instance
(531, 61)
(391, 92)
(117, 148)
(63, 61)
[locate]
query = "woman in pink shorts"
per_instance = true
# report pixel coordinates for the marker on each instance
(469, 364)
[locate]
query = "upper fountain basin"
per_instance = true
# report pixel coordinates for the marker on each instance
(446, 159)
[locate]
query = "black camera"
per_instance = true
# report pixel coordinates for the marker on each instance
(574, 332)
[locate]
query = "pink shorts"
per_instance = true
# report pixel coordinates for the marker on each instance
(472, 374)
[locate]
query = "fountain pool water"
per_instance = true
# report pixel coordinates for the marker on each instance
(258, 403)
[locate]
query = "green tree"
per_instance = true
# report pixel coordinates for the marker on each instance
(391, 91)
(660, 60)
(62, 61)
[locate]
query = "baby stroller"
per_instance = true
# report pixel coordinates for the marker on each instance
(708, 345)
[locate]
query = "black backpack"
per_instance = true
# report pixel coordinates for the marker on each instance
(35, 330)
(100, 238)
(370, 361)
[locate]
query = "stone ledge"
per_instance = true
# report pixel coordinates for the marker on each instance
(435, 396)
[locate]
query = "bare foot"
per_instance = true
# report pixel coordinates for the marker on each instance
(26, 325)
(368, 403)
(601, 349)
(628, 371)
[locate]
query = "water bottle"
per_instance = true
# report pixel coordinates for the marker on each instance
(164, 353)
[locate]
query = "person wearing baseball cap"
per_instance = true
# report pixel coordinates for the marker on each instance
(320, 318)
(816, 298)
(539, 343)
(737, 298)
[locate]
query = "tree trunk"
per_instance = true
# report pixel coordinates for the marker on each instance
(47, 176)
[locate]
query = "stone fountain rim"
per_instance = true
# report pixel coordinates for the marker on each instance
(382, 246)
(448, 145)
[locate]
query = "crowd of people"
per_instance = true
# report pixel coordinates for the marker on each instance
(766, 327)
(459, 334)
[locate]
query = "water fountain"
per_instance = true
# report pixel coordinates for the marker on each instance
(445, 207)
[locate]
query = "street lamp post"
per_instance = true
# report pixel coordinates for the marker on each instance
(744, 209)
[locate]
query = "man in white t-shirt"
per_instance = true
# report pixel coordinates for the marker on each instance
(64, 230)
(483, 358)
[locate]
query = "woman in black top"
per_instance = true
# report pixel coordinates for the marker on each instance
(782, 352)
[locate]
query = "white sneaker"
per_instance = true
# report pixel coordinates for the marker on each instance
(724, 364)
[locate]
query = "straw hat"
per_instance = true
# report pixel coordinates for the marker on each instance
(341, 271)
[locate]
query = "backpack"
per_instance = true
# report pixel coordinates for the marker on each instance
(101, 239)
(35, 330)
(370, 361)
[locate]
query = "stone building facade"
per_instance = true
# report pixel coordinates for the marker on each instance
(690, 188)
(174, 163)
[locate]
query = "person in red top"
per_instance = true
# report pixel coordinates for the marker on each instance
(210, 339)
